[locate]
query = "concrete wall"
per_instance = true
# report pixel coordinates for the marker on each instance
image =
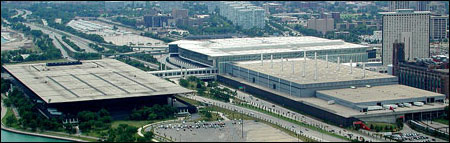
(297, 106)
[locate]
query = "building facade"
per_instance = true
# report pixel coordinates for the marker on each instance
(409, 27)
(321, 25)
(422, 6)
(394, 5)
(424, 77)
(243, 14)
(438, 27)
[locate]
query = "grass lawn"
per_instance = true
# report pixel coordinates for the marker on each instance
(10, 113)
(190, 101)
(441, 120)
(383, 125)
(137, 124)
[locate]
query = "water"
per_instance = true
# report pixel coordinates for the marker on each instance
(3, 40)
(13, 137)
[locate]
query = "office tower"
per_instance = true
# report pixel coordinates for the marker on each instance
(438, 27)
(394, 5)
(422, 6)
(408, 27)
(321, 25)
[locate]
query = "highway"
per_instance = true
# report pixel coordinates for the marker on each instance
(296, 116)
(52, 35)
(81, 42)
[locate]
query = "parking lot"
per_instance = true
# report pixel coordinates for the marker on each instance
(222, 131)
(411, 137)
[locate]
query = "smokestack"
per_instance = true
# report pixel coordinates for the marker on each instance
(315, 59)
(326, 59)
(351, 66)
(262, 59)
(293, 70)
(304, 63)
(281, 63)
(160, 66)
(364, 70)
(271, 61)
(339, 63)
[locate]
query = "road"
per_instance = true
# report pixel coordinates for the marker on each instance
(296, 116)
(81, 42)
(52, 35)
(150, 65)
(407, 130)
(274, 120)
(162, 59)
(19, 12)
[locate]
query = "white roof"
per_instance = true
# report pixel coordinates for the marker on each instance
(247, 46)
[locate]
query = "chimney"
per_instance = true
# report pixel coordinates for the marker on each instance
(304, 63)
(339, 64)
(262, 59)
(326, 59)
(271, 61)
(281, 63)
(293, 66)
(315, 59)
(364, 70)
(351, 66)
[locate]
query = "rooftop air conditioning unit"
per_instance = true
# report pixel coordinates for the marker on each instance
(331, 102)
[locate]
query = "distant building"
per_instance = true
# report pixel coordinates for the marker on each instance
(243, 14)
(114, 4)
(438, 27)
(409, 27)
(179, 13)
(336, 15)
(422, 6)
(168, 6)
(394, 5)
(271, 7)
(321, 25)
(424, 74)
(157, 21)
(398, 56)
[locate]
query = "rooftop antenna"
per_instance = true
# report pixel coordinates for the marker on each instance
(326, 59)
(339, 64)
(262, 59)
(281, 63)
(351, 66)
(315, 59)
(271, 61)
(304, 63)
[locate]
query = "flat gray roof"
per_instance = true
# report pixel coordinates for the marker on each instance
(324, 74)
(92, 80)
(379, 93)
(247, 46)
(343, 110)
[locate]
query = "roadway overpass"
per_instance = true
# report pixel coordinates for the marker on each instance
(202, 73)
